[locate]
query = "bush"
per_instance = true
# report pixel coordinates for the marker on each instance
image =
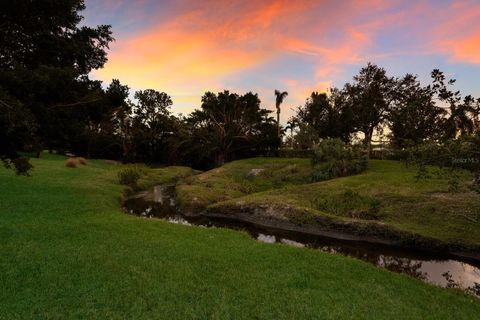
(476, 185)
(454, 181)
(332, 158)
(72, 163)
(422, 172)
(129, 176)
(463, 153)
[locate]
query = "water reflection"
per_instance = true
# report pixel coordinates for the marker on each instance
(443, 270)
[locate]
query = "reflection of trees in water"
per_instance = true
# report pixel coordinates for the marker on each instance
(450, 282)
(403, 265)
(475, 289)
(394, 264)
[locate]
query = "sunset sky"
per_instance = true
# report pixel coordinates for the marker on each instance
(187, 47)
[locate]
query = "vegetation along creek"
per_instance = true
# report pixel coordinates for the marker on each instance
(443, 269)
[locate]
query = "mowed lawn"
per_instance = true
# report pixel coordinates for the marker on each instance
(67, 251)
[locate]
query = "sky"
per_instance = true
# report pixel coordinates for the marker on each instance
(188, 47)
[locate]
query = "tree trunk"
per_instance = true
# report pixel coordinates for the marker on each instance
(291, 139)
(219, 158)
(38, 149)
(126, 150)
(278, 122)
(368, 141)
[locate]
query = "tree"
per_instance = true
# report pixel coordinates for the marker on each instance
(306, 136)
(279, 97)
(117, 97)
(292, 123)
(45, 56)
(461, 115)
(106, 129)
(229, 125)
(370, 96)
(151, 123)
(328, 115)
(415, 118)
(16, 126)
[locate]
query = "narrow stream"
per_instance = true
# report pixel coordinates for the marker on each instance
(441, 269)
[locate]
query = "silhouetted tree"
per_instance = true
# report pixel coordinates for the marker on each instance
(415, 117)
(151, 124)
(45, 58)
(328, 115)
(230, 125)
(292, 123)
(371, 97)
(279, 97)
(461, 114)
(16, 126)
(117, 97)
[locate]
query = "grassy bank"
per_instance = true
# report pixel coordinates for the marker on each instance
(240, 178)
(67, 251)
(386, 201)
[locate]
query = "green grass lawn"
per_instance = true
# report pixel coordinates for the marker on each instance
(67, 251)
(385, 198)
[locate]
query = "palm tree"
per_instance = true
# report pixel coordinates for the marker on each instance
(461, 119)
(279, 97)
(291, 125)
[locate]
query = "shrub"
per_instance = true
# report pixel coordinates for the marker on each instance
(129, 175)
(82, 160)
(332, 158)
(454, 181)
(463, 153)
(476, 183)
(422, 172)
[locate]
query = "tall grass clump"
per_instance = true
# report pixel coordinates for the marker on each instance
(129, 175)
(72, 163)
(82, 161)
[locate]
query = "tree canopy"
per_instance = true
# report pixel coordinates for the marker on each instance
(45, 58)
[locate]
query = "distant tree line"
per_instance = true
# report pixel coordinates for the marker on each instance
(409, 112)
(48, 101)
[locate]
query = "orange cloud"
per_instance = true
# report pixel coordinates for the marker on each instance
(467, 49)
(458, 36)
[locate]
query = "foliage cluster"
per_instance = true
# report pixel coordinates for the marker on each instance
(333, 158)
(461, 153)
(129, 175)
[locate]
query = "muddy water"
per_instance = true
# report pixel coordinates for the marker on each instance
(441, 269)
